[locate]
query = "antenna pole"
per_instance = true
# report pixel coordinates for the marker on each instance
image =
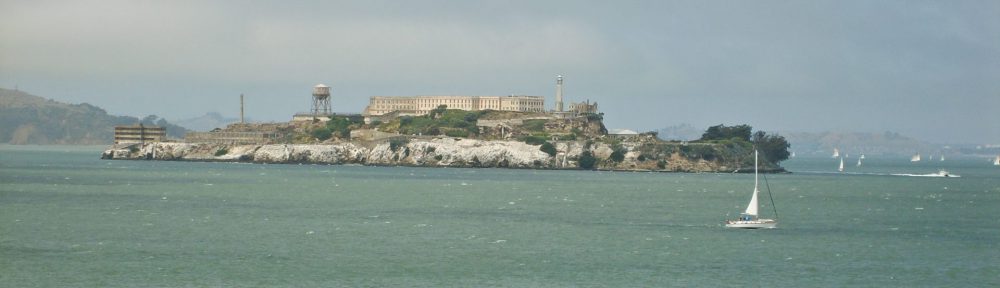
(241, 109)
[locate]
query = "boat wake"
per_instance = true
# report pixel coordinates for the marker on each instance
(942, 174)
(939, 174)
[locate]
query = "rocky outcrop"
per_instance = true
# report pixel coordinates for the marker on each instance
(434, 152)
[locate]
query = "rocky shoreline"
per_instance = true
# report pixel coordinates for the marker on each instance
(434, 152)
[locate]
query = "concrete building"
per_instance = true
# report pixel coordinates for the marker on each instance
(379, 106)
(241, 133)
(139, 134)
(583, 107)
(233, 137)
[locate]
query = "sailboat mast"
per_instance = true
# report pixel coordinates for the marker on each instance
(755, 172)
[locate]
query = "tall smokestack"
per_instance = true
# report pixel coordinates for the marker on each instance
(241, 109)
(559, 93)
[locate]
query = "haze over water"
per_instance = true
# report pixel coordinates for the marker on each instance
(70, 219)
(925, 69)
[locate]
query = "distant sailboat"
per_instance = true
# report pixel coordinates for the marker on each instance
(749, 219)
(862, 155)
(793, 154)
(942, 158)
(836, 153)
(996, 162)
(915, 158)
(841, 168)
(859, 161)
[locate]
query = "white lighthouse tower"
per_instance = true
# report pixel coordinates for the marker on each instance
(559, 93)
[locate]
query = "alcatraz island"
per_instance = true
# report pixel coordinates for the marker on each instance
(455, 131)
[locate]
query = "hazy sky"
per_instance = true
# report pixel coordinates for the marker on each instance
(928, 69)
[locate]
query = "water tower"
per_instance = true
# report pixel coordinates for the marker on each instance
(321, 100)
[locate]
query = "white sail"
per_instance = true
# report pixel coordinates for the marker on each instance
(859, 161)
(749, 219)
(942, 157)
(915, 158)
(752, 207)
(841, 168)
(862, 155)
(996, 161)
(836, 153)
(793, 154)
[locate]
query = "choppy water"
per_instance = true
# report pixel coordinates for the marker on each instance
(68, 219)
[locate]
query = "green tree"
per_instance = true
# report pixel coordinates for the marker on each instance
(396, 143)
(773, 147)
(618, 155)
(722, 132)
(548, 148)
(437, 111)
(587, 160)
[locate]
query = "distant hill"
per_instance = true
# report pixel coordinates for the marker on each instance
(30, 119)
(207, 122)
(887, 143)
(682, 132)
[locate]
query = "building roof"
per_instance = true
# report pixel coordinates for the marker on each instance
(622, 132)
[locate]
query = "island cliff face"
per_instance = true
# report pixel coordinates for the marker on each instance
(430, 152)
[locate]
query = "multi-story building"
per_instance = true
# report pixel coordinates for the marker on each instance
(241, 134)
(139, 134)
(420, 105)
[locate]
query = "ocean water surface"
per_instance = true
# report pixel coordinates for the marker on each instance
(69, 219)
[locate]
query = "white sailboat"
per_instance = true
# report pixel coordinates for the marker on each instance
(915, 158)
(793, 154)
(862, 155)
(836, 153)
(749, 219)
(859, 162)
(996, 162)
(841, 168)
(942, 158)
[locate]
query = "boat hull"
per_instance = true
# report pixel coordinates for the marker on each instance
(752, 224)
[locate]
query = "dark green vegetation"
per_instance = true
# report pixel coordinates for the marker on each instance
(548, 148)
(338, 126)
(739, 139)
(29, 119)
(774, 148)
(618, 154)
(587, 160)
(460, 123)
(440, 121)
(725, 147)
(722, 132)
